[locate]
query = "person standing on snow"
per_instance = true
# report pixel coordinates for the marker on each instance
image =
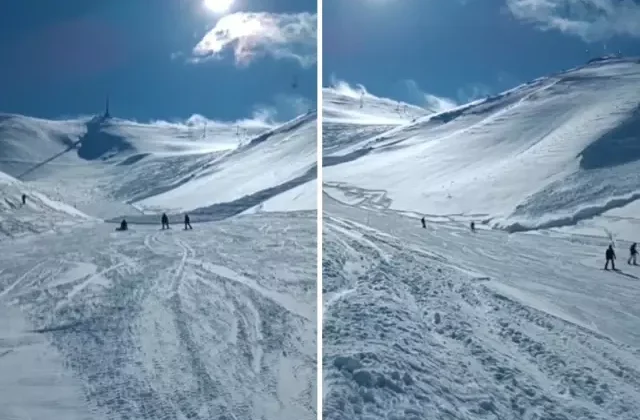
(473, 226)
(424, 223)
(187, 223)
(611, 256)
(165, 221)
(24, 199)
(633, 254)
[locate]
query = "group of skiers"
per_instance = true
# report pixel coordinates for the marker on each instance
(164, 220)
(610, 256)
(424, 224)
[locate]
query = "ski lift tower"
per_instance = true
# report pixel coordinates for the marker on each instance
(106, 109)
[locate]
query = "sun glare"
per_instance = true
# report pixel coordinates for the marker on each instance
(218, 6)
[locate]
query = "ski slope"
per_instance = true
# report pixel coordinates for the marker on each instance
(441, 323)
(214, 322)
(350, 116)
(218, 322)
(549, 153)
(98, 164)
(39, 214)
(517, 320)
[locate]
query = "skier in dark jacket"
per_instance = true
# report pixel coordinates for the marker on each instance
(473, 226)
(633, 254)
(187, 222)
(165, 221)
(24, 199)
(424, 223)
(611, 256)
(123, 225)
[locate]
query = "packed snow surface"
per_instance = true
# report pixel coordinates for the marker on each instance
(441, 323)
(218, 322)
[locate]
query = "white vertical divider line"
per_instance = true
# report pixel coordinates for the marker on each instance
(319, 307)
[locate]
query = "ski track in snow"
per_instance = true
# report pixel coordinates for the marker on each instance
(441, 323)
(218, 322)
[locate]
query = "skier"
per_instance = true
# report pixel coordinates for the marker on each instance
(123, 225)
(424, 224)
(633, 254)
(187, 223)
(611, 256)
(165, 221)
(473, 226)
(24, 199)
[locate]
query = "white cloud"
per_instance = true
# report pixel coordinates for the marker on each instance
(592, 20)
(344, 88)
(426, 100)
(472, 92)
(284, 108)
(254, 35)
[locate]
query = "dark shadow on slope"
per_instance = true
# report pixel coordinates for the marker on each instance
(97, 142)
(225, 210)
(572, 220)
(94, 144)
(41, 164)
(616, 147)
(622, 273)
(337, 160)
(133, 159)
(56, 328)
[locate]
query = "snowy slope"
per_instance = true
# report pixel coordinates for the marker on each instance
(218, 322)
(350, 116)
(285, 156)
(39, 214)
(443, 323)
(214, 322)
(440, 323)
(549, 153)
(104, 167)
(344, 105)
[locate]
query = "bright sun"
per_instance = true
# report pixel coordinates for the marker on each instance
(218, 6)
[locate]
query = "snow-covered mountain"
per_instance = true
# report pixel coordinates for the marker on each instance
(96, 163)
(214, 322)
(516, 320)
(349, 116)
(549, 153)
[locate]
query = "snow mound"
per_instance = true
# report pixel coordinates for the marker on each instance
(549, 153)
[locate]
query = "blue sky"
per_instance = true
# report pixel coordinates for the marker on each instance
(158, 59)
(439, 52)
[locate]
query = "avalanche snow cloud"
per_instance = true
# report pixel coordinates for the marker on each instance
(443, 323)
(214, 322)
